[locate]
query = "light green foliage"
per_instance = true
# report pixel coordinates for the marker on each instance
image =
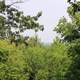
(64, 27)
(34, 62)
(12, 68)
(67, 30)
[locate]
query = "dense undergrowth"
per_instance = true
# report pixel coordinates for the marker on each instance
(33, 62)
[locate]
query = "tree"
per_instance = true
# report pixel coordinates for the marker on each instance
(69, 30)
(13, 18)
(70, 34)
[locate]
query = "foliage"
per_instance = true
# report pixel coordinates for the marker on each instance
(70, 34)
(34, 62)
(74, 51)
(69, 30)
(12, 18)
(58, 61)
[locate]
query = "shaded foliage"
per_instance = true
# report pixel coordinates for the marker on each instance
(70, 34)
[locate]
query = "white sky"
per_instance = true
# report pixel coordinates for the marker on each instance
(52, 11)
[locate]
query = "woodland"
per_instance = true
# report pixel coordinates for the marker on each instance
(26, 58)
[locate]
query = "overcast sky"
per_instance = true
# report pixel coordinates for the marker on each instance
(52, 11)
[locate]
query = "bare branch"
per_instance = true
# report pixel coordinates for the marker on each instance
(16, 2)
